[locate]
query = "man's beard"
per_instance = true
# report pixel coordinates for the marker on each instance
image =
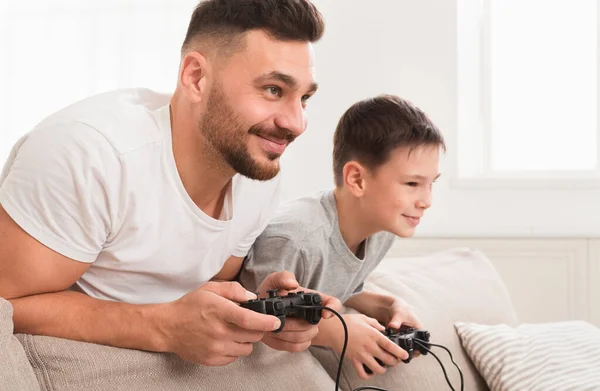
(223, 129)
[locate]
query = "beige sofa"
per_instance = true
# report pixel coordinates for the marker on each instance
(458, 285)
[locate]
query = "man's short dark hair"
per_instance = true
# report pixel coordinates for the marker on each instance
(228, 20)
(371, 129)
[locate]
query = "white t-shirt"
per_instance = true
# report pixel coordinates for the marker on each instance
(97, 182)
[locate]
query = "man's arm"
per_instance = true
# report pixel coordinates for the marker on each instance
(33, 276)
(22, 271)
(230, 270)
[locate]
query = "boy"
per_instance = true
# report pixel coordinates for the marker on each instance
(385, 159)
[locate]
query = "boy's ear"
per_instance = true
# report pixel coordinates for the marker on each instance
(354, 175)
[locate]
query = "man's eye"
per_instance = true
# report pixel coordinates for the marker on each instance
(306, 97)
(412, 184)
(274, 90)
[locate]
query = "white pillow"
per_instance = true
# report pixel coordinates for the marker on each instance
(544, 356)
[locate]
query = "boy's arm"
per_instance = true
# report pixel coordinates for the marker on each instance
(271, 254)
(366, 343)
(331, 334)
(371, 304)
(390, 311)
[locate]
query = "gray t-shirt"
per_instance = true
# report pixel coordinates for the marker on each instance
(304, 238)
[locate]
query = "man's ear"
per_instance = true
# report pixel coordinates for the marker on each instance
(354, 175)
(193, 76)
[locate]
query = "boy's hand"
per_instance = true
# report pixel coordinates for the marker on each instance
(297, 334)
(401, 313)
(365, 343)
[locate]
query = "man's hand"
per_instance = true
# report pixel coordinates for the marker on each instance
(207, 327)
(365, 343)
(297, 334)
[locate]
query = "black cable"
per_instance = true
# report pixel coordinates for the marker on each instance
(339, 371)
(417, 341)
(438, 360)
(462, 380)
(340, 365)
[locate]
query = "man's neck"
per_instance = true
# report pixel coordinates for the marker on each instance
(204, 175)
(354, 228)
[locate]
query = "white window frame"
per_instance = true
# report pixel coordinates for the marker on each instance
(473, 166)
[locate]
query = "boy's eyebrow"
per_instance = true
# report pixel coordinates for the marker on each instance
(286, 79)
(422, 178)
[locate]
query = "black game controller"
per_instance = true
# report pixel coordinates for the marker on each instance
(293, 305)
(405, 339)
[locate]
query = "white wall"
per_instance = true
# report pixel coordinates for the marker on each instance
(408, 48)
(405, 47)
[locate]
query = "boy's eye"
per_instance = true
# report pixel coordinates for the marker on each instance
(412, 184)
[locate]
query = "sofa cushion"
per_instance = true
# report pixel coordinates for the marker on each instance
(535, 357)
(15, 372)
(63, 365)
(445, 287)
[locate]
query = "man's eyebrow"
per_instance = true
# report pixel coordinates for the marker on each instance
(286, 79)
(313, 88)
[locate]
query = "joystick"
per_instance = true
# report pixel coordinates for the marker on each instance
(405, 339)
(292, 305)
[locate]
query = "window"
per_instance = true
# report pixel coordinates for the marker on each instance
(528, 89)
(55, 52)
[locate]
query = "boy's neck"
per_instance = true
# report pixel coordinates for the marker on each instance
(353, 227)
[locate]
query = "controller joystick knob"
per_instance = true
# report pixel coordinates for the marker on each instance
(272, 293)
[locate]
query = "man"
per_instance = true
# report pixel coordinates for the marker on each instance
(136, 200)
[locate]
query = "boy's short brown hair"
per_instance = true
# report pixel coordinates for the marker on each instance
(372, 128)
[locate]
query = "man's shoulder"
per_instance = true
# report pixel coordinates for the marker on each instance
(128, 119)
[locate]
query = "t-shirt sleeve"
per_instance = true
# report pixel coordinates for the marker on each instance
(359, 288)
(269, 207)
(271, 254)
(60, 184)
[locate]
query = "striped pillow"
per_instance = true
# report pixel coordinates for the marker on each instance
(544, 356)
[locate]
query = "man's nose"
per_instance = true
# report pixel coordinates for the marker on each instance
(292, 118)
